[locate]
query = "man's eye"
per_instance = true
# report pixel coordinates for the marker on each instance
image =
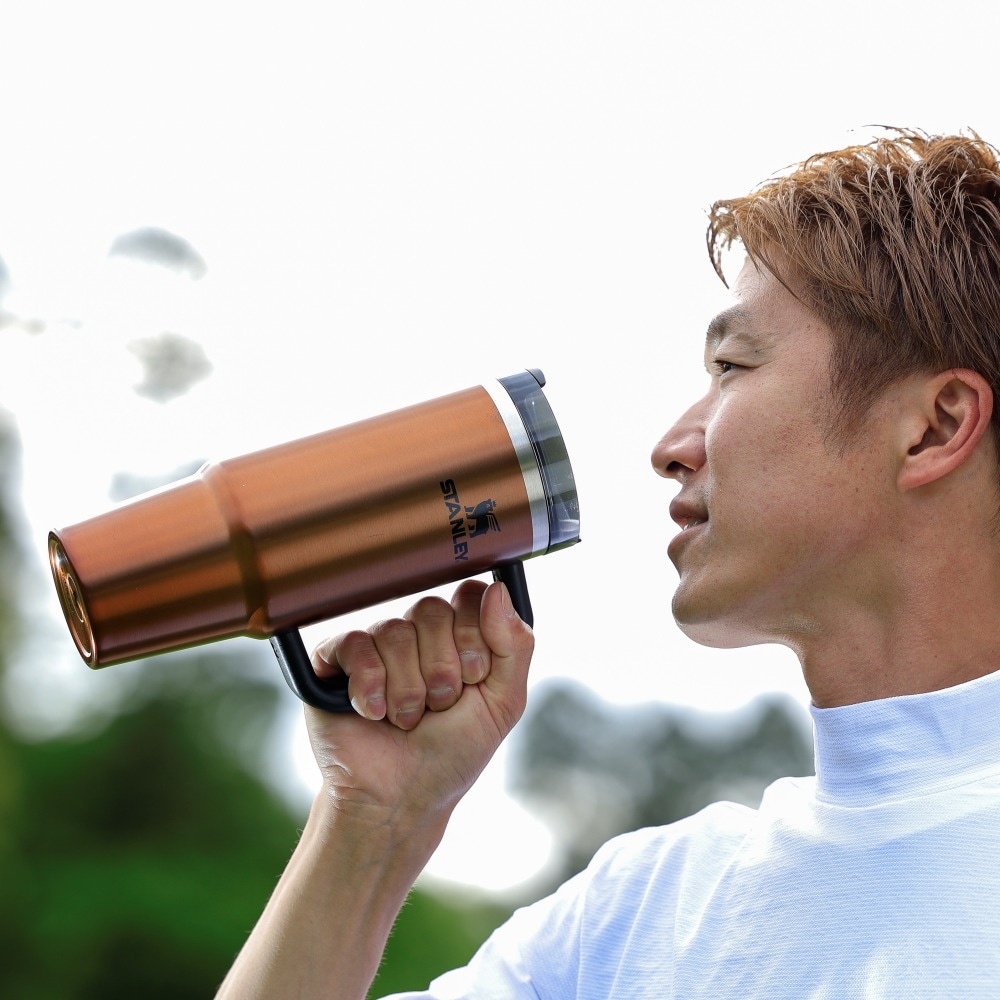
(723, 367)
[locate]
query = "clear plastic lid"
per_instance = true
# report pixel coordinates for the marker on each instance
(559, 485)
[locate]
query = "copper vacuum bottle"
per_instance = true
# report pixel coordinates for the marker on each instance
(264, 544)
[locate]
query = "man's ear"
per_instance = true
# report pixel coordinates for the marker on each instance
(950, 412)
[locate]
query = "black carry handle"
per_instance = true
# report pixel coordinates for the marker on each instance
(330, 694)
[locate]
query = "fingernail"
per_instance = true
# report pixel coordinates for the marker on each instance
(408, 714)
(473, 667)
(506, 604)
(444, 693)
(371, 708)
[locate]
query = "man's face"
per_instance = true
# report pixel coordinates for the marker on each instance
(777, 523)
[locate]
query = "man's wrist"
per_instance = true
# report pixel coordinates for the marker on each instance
(392, 844)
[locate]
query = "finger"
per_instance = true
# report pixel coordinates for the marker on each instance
(512, 643)
(434, 621)
(355, 654)
(473, 651)
(405, 691)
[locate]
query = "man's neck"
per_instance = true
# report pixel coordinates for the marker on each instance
(931, 637)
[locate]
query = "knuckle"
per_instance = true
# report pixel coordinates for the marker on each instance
(468, 599)
(407, 695)
(524, 641)
(470, 643)
(394, 633)
(441, 671)
(471, 589)
(406, 704)
(431, 611)
(358, 649)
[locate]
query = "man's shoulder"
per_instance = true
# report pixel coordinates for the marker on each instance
(716, 832)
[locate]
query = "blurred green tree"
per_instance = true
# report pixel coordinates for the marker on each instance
(137, 858)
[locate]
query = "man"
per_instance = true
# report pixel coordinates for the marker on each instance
(839, 493)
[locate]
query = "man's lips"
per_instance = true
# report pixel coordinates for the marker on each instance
(687, 514)
(691, 522)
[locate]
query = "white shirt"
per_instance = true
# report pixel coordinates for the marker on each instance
(877, 878)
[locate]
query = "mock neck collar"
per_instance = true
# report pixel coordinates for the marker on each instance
(895, 748)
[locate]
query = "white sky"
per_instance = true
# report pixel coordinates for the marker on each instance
(396, 200)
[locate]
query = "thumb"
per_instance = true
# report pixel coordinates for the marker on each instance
(511, 643)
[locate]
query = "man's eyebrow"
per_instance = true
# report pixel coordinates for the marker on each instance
(722, 323)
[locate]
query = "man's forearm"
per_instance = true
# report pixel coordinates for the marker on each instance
(325, 927)
(390, 782)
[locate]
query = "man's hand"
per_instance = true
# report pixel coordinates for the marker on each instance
(438, 691)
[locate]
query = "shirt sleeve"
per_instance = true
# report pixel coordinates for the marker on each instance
(532, 956)
(551, 950)
(606, 930)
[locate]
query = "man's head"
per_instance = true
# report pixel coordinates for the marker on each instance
(895, 245)
(838, 478)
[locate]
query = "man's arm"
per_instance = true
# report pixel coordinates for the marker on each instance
(441, 689)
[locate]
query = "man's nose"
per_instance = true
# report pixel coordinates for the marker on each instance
(681, 451)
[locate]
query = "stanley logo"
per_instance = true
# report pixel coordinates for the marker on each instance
(467, 522)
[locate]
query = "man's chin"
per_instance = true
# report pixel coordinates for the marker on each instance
(708, 623)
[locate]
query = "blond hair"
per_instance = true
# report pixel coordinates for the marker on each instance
(895, 245)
